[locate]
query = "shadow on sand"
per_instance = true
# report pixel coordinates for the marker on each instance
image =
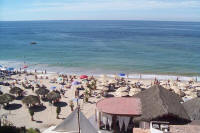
(19, 98)
(37, 108)
(13, 106)
(60, 104)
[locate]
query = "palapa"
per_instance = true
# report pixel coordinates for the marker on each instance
(158, 102)
(53, 95)
(6, 98)
(193, 108)
(31, 99)
(16, 90)
(42, 91)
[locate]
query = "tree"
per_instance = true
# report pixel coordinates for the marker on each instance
(71, 104)
(58, 110)
(31, 112)
(31, 130)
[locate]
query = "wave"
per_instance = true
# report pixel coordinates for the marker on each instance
(95, 72)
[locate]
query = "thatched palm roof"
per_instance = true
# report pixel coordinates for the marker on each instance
(158, 102)
(54, 95)
(31, 99)
(193, 108)
(6, 98)
(15, 90)
(42, 91)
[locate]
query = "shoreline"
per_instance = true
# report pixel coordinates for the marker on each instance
(96, 72)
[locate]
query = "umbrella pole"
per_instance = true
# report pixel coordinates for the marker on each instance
(79, 121)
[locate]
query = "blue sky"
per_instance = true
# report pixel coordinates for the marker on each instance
(166, 10)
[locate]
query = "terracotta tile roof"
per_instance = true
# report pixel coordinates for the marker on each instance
(120, 106)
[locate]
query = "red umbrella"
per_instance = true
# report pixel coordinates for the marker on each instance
(83, 76)
(25, 66)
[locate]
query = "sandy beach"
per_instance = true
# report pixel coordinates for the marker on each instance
(46, 116)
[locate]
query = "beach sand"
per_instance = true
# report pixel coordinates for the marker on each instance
(47, 117)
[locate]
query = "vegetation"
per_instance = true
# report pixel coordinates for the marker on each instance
(58, 110)
(31, 112)
(71, 104)
(13, 129)
(31, 130)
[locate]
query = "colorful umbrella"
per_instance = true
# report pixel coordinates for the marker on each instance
(25, 66)
(53, 87)
(83, 76)
(122, 74)
(10, 69)
(75, 83)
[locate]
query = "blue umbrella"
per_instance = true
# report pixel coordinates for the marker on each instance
(122, 74)
(10, 69)
(1, 66)
(53, 87)
(75, 83)
(75, 100)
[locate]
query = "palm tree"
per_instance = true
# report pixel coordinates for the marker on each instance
(31, 112)
(58, 110)
(71, 104)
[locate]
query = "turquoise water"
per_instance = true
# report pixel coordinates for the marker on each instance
(103, 46)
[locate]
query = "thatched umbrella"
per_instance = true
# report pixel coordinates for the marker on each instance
(193, 107)
(53, 96)
(158, 103)
(16, 90)
(42, 91)
(31, 99)
(6, 98)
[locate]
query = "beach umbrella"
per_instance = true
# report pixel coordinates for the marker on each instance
(42, 91)
(122, 74)
(6, 98)
(83, 76)
(75, 83)
(54, 95)
(75, 100)
(25, 66)
(60, 79)
(31, 99)
(10, 69)
(53, 88)
(16, 90)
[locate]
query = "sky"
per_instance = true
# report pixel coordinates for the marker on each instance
(162, 10)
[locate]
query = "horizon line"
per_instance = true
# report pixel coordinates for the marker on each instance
(101, 20)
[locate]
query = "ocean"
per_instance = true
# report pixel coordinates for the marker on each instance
(96, 47)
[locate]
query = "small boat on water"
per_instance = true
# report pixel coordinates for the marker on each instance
(32, 43)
